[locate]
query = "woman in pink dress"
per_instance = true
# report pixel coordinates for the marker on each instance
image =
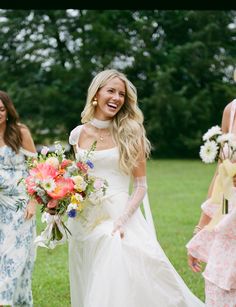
(216, 246)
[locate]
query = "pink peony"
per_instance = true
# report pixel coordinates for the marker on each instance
(43, 171)
(64, 186)
(30, 184)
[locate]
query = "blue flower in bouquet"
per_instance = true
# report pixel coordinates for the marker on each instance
(72, 213)
(90, 164)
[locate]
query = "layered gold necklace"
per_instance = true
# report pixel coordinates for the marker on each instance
(101, 124)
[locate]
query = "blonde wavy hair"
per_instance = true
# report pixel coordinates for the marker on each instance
(127, 125)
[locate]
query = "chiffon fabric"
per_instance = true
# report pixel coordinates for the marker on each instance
(17, 252)
(107, 271)
(217, 248)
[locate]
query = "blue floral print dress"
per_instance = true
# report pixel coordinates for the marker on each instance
(17, 252)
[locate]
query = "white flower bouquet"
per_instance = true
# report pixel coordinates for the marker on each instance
(219, 146)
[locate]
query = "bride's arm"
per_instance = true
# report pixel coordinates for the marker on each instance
(136, 198)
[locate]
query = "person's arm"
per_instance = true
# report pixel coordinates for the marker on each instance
(136, 198)
(27, 141)
(28, 144)
(204, 219)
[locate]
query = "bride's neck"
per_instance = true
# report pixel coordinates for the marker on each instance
(100, 124)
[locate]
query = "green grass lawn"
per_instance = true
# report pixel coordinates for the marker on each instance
(176, 190)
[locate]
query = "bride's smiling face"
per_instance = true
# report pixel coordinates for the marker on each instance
(110, 98)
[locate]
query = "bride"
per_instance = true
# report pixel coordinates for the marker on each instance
(114, 257)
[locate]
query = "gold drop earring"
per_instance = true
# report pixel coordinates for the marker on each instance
(95, 102)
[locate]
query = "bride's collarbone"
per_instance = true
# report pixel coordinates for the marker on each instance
(103, 139)
(87, 143)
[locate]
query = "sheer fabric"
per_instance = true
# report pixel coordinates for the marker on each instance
(136, 198)
(106, 270)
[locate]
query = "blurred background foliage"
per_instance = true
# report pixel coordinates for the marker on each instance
(181, 62)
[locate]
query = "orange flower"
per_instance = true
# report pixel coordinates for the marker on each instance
(64, 186)
(61, 171)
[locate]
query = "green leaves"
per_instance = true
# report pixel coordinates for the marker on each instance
(180, 61)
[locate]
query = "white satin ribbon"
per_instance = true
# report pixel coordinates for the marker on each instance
(45, 238)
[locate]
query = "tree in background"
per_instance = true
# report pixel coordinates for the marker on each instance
(180, 61)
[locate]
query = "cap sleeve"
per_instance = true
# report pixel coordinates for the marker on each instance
(74, 135)
(28, 153)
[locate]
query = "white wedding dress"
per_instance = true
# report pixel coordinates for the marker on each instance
(107, 271)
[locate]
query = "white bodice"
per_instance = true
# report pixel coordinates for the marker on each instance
(106, 165)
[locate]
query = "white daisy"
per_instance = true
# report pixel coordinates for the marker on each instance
(78, 197)
(48, 184)
(208, 151)
(71, 206)
(226, 137)
(213, 131)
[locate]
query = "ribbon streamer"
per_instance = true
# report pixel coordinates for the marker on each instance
(45, 239)
(223, 188)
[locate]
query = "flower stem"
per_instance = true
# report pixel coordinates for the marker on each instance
(225, 206)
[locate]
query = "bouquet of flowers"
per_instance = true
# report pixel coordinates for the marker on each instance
(62, 188)
(219, 146)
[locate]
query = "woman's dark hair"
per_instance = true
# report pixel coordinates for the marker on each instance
(12, 135)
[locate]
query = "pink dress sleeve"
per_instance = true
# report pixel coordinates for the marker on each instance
(209, 208)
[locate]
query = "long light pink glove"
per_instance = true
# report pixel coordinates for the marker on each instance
(136, 198)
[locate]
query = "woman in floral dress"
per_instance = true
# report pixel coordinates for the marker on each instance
(217, 247)
(17, 221)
